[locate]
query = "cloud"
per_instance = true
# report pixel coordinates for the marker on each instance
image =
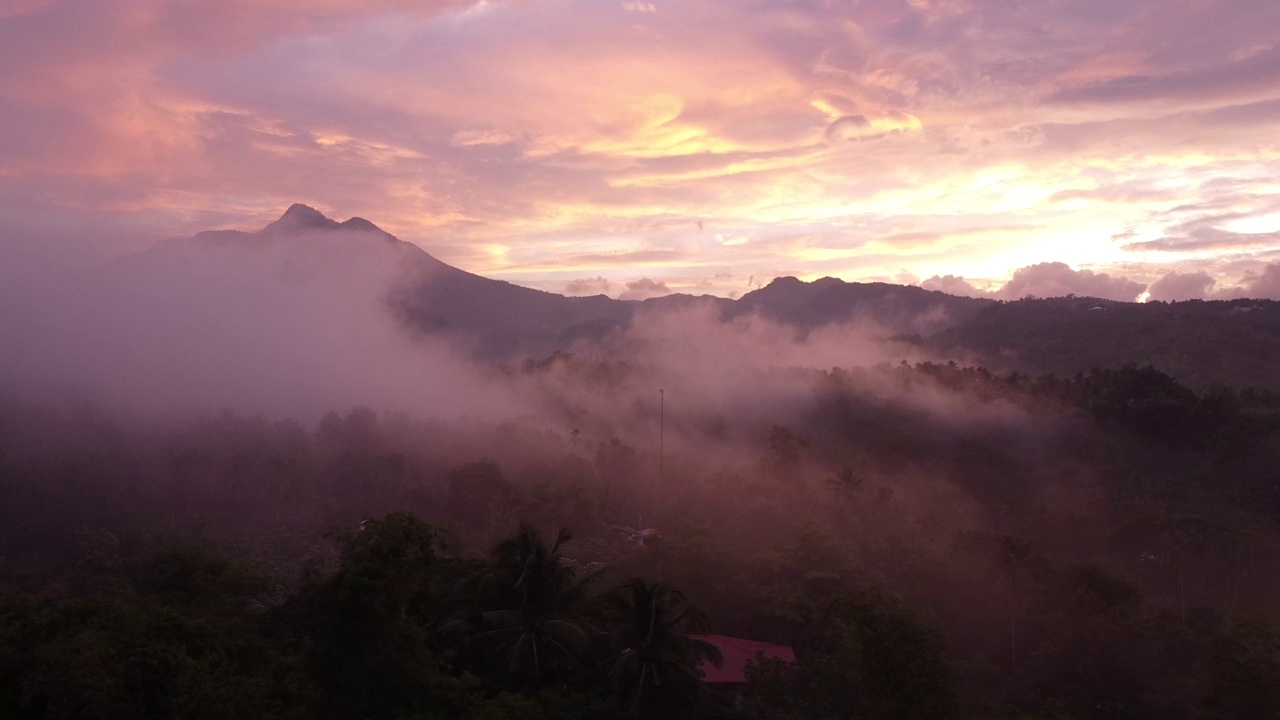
(1050, 279)
(1055, 279)
(293, 324)
(1254, 76)
(1209, 233)
(1237, 215)
(854, 128)
(644, 288)
(1207, 239)
(1174, 286)
(1262, 285)
(510, 135)
(588, 286)
(953, 285)
(481, 136)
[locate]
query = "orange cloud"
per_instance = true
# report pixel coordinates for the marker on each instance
(530, 140)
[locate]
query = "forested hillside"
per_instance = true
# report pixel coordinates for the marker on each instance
(1202, 343)
(934, 540)
(530, 505)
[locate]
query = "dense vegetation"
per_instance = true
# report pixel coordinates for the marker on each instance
(1201, 343)
(936, 542)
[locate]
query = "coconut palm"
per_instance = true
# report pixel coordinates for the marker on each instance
(1019, 568)
(533, 627)
(654, 666)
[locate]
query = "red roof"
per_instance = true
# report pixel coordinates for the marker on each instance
(737, 653)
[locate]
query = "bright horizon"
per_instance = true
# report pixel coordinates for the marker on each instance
(636, 148)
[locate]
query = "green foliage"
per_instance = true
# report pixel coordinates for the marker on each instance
(192, 576)
(478, 496)
(1091, 590)
(1088, 542)
(1244, 673)
(531, 626)
(654, 666)
(145, 661)
(616, 461)
(1231, 343)
(371, 625)
(516, 706)
(871, 655)
(1093, 656)
(18, 636)
(809, 572)
(786, 448)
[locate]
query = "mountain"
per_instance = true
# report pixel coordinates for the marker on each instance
(902, 309)
(1235, 343)
(501, 321)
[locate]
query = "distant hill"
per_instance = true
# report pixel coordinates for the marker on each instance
(1202, 343)
(898, 308)
(1235, 343)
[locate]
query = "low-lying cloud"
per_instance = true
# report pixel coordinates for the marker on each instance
(1055, 279)
(588, 286)
(1059, 280)
(1050, 279)
(1175, 286)
(296, 326)
(645, 288)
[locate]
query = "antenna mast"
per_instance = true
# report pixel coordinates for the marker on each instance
(662, 421)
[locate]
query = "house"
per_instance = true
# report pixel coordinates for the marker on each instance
(737, 653)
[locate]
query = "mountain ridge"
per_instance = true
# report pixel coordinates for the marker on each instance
(1203, 343)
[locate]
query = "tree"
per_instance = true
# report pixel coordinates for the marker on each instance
(371, 624)
(1095, 655)
(534, 628)
(1169, 542)
(1018, 568)
(654, 666)
(786, 448)
(478, 497)
(177, 642)
(17, 638)
(1244, 673)
(869, 656)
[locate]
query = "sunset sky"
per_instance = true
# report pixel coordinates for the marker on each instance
(633, 148)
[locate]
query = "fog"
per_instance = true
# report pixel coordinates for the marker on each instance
(293, 326)
(294, 322)
(259, 394)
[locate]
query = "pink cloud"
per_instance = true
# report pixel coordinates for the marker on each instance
(1261, 285)
(953, 285)
(1174, 286)
(523, 139)
(644, 288)
(588, 286)
(1055, 279)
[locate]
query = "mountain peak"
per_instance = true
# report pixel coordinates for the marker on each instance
(304, 216)
(303, 221)
(297, 218)
(359, 223)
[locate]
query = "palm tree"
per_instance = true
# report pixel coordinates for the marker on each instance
(654, 668)
(533, 627)
(1019, 568)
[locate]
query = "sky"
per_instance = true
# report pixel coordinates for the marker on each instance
(1124, 148)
